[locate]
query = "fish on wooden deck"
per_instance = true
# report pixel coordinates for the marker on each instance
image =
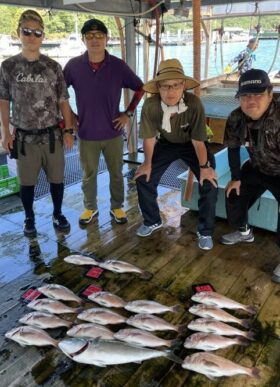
(241, 273)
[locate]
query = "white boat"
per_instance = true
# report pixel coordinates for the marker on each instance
(69, 47)
(7, 48)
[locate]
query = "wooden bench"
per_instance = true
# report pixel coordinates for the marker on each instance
(263, 214)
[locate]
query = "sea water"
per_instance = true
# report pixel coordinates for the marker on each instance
(263, 58)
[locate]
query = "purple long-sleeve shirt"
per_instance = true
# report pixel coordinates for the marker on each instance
(98, 94)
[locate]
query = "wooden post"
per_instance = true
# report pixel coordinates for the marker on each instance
(131, 61)
(189, 186)
(146, 50)
(207, 27)
(196, 43)
(123, 54)
(207, 48)
(196, 73)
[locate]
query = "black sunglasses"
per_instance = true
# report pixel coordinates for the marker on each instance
(30, 31)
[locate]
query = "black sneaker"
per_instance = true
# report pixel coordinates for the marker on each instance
(29, 228)
(60, 222)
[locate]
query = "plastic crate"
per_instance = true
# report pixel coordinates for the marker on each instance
(4, 171)
(9, 186)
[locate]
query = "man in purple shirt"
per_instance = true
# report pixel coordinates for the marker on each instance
(98, 79)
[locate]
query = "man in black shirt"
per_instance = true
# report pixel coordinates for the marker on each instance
(255, 124)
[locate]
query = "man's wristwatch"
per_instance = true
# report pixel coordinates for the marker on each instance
(129, 113)
(70, 131)
(205, 166)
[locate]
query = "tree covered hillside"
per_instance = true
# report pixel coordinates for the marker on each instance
(58, 23)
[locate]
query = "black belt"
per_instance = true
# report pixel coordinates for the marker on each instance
(33, 132)
(163, 140)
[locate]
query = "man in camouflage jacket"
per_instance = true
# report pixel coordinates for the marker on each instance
(256, 125)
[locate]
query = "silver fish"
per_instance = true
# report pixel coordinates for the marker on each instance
(107, 299)
(214, 366)
(25, 335)
(208, 325)
(123, 267)
(208, 311)
(149, 322)
(59, 292)
(143, 338)
(101, 316)
(81, 260)
(103, 353)
(51, 306)
(146, 306)
(91, 331)
(44, 320)
(220, 301)
(211, 342)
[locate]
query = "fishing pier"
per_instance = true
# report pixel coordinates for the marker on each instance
(171, 256)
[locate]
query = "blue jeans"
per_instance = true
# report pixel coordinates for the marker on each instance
(164, 154)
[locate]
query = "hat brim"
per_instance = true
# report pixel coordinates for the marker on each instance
(152, 87)
(257, 90)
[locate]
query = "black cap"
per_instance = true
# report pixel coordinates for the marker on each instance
(253, 82)
(94, 25)
(252, 41)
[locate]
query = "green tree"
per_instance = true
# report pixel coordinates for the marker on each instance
(61, 23)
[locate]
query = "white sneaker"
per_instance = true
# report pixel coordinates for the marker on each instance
(205, 242)
(144, 231)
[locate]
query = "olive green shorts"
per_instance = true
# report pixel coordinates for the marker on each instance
(38, 156)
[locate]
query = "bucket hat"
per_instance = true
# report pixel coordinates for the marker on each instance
(169, 69)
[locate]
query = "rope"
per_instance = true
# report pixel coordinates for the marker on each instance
(196, 43)
(157, 17)
(276, 50)
(221, 43)
(127, 133)
(215, 56)
(121, 13)
(123, 53)
(220, 31)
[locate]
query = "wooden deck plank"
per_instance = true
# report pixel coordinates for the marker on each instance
(10, 232)
(171, 255)
(14, 372)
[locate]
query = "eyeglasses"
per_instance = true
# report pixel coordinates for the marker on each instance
(175, 86)
(96, 35)
(30, 31)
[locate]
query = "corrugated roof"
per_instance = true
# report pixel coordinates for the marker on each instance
(131, 7)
